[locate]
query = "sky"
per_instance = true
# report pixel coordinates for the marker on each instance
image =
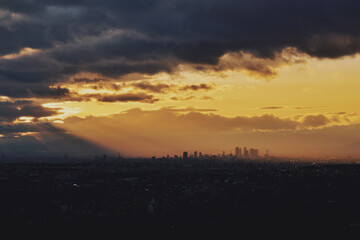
(158, 77)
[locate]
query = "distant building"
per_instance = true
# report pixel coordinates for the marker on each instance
(246, 153)
(185, 155)
(200, 154)
(254, 153)
(238, 152)
(195, 154)
(251, 152)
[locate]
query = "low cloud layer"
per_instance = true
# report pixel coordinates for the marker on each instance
(134, 91)
(141, 132)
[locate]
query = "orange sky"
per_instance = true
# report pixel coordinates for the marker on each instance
(314, 95)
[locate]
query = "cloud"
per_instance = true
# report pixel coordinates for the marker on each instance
(173, 130)
(10, 111)
(131, 91)
(126, 97)
(51, 92)
(259, 67)
(156, 88)
(194, 87)
(87, 80)
(315, 120)
(190, 119)
(191, 97)
(116, 38)
(11, 129)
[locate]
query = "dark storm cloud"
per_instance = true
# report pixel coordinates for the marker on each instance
(9, 111)
(115, 38)
(31, 90)
(54, 92)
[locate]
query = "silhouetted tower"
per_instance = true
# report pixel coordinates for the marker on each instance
(238, 152)
(195, 154)
(252, 153)
(246, 153)
(185, 155)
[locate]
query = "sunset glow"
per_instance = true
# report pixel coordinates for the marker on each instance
(88, 81)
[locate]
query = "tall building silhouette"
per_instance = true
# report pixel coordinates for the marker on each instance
(246, 153)
(185, 155)
(254, 153)
(195, 154)
(238, 152)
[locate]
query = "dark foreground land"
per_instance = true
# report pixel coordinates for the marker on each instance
(187, 197)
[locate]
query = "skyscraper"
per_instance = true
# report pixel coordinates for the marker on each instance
(185, 155)
(246, 153)
(252, 153)
(195, 154)
(238, 152)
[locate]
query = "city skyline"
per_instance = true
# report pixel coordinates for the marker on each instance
(252, 153)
